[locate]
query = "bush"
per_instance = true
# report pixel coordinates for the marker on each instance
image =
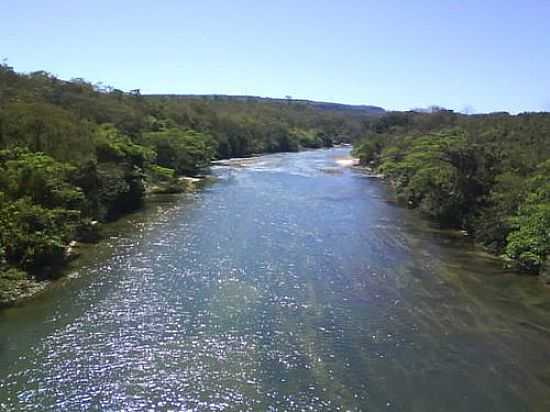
(33, 236)
(38, 177)
(113, 146)
(120, 189)
(164, 180)
(529, 241)
(162, 174)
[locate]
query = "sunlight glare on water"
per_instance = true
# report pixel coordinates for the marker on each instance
(291, 283)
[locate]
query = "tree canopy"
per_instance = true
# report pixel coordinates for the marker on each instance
(488, 174)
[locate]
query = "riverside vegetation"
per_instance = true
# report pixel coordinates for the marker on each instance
(487, 174)
(74, 154)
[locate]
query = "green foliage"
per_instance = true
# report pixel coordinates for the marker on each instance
(10, 279)
(488, 174)
(113, 181)
(368, 150)
(438, 173)
(493, 222)
(120, 189)
(184, 151)
(43, 127)
(38, 177)
(241, 127)
(163, 174)
(73, 153)
(310, 138)
(10, 275)
(32, 235)
(529, 239)
(39, 208)
(164, 180)
(113, 146)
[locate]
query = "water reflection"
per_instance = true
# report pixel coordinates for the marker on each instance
(290, 284)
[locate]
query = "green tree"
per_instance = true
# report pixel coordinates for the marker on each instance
(184, 151)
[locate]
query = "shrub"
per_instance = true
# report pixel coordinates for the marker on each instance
(32, 235)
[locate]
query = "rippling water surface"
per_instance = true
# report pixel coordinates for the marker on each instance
(289, 284)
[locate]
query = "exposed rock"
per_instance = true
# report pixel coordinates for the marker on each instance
(20, 290)
(71, 252)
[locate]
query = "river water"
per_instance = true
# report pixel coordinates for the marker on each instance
(290, 283)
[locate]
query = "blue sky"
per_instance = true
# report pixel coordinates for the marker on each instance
(486, 55)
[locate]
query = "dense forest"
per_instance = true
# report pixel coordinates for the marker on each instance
(75, 154)
(487, 174)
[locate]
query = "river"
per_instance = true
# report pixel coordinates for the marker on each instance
(290, 283)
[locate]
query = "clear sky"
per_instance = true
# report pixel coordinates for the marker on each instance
(487, 55)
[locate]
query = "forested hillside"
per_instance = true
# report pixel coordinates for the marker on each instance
(73, 154)
(328, 106)
(488, 174)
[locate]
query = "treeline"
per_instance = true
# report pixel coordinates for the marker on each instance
(73, 154)
(244, 127)
(488, 174)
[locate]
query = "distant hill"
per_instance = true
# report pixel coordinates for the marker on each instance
(334, 107)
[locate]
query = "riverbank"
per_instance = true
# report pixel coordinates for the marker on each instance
(16, 290)
(393, 184)
(506, 261)
(95, 147)
(17, 287)
(283, 287)
(486, 174)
